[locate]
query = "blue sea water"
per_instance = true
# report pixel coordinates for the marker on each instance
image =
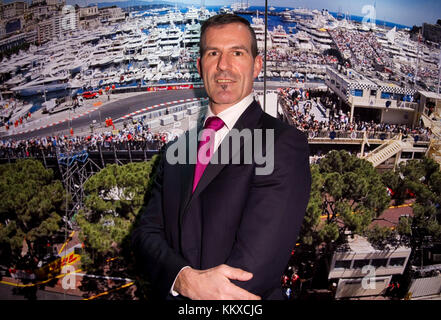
(276, 20)
(273, 21)
(377, 22)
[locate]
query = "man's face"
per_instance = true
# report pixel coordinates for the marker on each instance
(227, 65)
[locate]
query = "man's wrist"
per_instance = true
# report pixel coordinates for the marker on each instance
(174, 288)
(181, 282)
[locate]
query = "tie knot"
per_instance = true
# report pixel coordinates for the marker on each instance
(214, 123)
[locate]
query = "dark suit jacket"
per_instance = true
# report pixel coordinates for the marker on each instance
(234, 217)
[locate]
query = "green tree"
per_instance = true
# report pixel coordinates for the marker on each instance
(423, 179)
(419, 181)
(348, 193)
(409, 177)
(309, 229)
(114, 197)
(30, 212)
(353, 194)
(382, 237)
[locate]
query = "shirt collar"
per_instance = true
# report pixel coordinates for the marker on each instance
(230, 115)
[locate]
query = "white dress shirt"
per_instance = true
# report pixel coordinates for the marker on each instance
(229, 116)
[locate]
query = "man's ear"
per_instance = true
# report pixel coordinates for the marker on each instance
(199, 66)
(258, 63)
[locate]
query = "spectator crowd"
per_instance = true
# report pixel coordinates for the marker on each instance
(286, 55)
(361, 48)
(299, 105)
(136, 138)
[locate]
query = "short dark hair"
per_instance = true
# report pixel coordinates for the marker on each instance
(223, 19)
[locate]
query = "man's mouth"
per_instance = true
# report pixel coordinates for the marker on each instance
(224, 81)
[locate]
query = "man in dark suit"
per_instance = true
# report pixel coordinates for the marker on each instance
(225, 230)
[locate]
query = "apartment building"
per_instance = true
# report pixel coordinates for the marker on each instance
(360, 270)
(89, 17)
(111, 14)
(58, 25)
(13, 9)
(41, 9)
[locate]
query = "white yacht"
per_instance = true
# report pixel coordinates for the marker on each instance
(157, 77)
(258, 26)
(153, 60)
(43, 85)
(20, 112)
(279, 37)
(301, 41)
(240, 6)
(171, 36)
(192, 34)
(286, 16)
(191, 14)
(11, 110)
(318, 27)
(151, 44)
(225, 10)
(135, 43)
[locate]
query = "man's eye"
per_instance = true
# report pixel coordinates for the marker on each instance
(212, 53)
(238, 53)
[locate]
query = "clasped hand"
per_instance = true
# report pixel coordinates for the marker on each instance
(213, 284)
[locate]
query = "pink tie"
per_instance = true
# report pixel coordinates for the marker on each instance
(206, 146)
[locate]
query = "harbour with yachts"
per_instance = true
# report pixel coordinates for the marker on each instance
(156, 49)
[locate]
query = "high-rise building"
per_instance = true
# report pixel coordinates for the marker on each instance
(58, 25)
(13, 9)
(89, 17)
(432, 32)
(2, 29)
(111, 14)
(87, 12)
(1, 10)
(55, 2)
(48, 2)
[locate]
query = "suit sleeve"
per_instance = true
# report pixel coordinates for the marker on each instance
(153, 254)
(273, 215)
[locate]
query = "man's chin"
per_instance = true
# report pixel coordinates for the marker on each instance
(225, 102)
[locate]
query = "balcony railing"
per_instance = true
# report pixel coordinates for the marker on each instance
(339, 135)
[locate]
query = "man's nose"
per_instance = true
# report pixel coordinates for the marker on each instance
(223, 62)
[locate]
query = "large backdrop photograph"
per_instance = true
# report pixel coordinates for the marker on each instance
(94, 94)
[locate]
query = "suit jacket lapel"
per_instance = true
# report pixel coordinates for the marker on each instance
(186, 184)
(187, 170)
